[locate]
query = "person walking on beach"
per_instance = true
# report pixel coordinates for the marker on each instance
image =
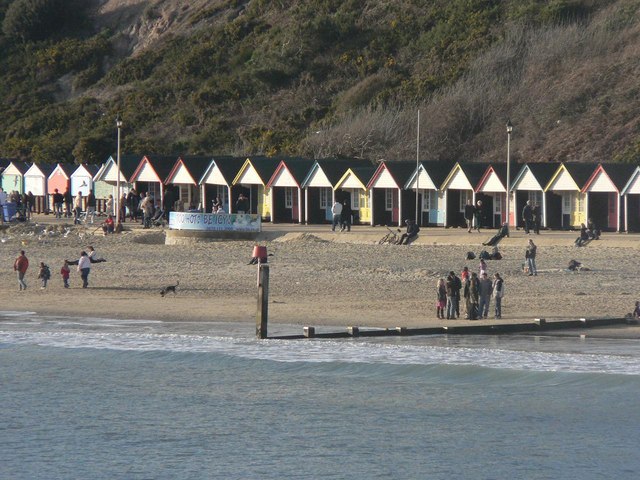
(20, 266)
(497, 294)
(68, 203)
(58, 200)
(65, 271)
(530, 256)
(477, 213)
(469, 210)
(91, 207)
(109, 205)
(537, 217)
(336, 210)
(84, 267)
(77, 208)
(345, 216)
(44, 275)
(441, 298)
(527, 217)
(486, 287)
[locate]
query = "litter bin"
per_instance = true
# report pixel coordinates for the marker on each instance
(8, 211)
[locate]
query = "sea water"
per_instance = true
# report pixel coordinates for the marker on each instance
(104, 399)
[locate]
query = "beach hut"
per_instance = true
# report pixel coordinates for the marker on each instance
(318, 187)
(13, 176)
(35, 181)
(218, 179)
(565, 201)
(251, 180)
(101, 188)
(528, 185)
(287, 201)
(458, 187)
(631, 194)
(602, 194)
(391, 204)
(106, 178)
(491, 190)
(352, 187)
(184, 177)
(82, 179)
(427, 179)
(60, 178)
(150, 174)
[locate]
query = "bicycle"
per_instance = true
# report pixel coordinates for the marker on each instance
(390, 238)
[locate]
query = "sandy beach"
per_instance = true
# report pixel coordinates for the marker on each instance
(318, 277)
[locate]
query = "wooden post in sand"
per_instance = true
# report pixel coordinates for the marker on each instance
(262, 314)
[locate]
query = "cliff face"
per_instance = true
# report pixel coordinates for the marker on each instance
(331, 78)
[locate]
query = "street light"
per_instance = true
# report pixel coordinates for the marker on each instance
(117, 202)
(509, 130)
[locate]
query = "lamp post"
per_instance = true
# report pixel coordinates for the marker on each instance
(418, 206)
(117, 202)
(509, 130)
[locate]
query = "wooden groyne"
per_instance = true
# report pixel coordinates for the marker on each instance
(538, 325)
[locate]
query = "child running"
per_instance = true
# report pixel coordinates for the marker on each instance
(65, 271)
(44, 275)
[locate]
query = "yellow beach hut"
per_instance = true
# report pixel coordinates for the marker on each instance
(352, 187)
(566, 206)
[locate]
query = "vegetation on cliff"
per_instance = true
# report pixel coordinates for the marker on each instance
(332, 77)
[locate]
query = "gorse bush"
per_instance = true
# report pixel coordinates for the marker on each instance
(35, 20)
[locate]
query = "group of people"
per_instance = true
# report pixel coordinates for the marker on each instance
(24, 204)
(87, 258)
(342, 214)
(473, 215)
(477, 290)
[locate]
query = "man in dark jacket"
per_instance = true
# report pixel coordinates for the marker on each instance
(68, 202)
(58, 201)
(411, 233)
(345, 216)
(469, 210)
(527, 216)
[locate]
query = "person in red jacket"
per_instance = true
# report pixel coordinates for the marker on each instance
(20, 265)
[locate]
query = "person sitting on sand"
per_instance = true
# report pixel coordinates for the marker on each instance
(93, 257)
(108, 225)
(592, 230)
(502, 232)
(582, 240)
(410, 234)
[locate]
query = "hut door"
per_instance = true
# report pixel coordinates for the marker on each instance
(613, 211)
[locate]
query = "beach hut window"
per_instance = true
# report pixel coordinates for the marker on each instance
(497, 204)
(288, 197)
(222, 193)
(464, 196)
(535, 196)
(426, 200)
(388, 199)
(355, 199)
(579, 203)
(566, 203)
(325, 194)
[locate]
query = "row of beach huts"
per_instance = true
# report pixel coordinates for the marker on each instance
(302, 190)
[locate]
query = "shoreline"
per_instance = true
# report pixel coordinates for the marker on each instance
(318, 278)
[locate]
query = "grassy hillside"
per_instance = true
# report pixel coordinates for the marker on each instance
(328, 78)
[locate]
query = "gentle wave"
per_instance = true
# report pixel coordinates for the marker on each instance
(349, 353)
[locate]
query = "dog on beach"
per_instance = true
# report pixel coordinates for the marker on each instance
(169, 288)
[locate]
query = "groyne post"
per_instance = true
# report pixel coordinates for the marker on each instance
(262, 314)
